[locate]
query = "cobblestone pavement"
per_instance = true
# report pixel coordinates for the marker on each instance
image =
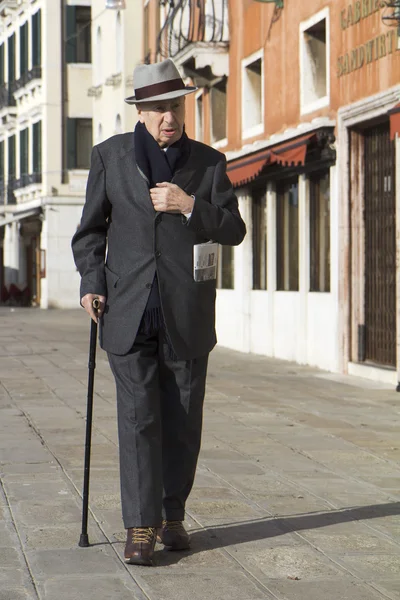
(297, 495)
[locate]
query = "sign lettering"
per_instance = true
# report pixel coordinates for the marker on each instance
(371, 51)
(361, 9)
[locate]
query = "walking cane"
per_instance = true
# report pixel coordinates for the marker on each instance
(84, 539)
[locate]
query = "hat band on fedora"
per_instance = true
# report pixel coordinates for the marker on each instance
(156, 89)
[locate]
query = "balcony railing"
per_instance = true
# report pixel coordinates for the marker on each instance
(189, 22)
(34, 73)
(27, 179)
(6, 95)
(10, 198)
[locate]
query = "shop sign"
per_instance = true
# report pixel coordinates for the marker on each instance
(373, 49)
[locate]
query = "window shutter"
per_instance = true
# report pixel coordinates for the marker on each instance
(37, 147)
(23, 56)
(37, 39)
(11, 58)
(71, 42)
(1, 64)
(71, 143)
(1, 162)
(11, 157)
(23, 153)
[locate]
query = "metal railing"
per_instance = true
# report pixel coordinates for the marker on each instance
(6, 95)
(34, 73)
(27, 179)
(189, 22)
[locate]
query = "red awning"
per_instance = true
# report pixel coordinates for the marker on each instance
(290, 153)
(394, 115)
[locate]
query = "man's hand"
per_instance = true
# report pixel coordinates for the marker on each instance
(168, 197)
(87, 303)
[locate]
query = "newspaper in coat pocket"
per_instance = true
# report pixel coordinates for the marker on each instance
(205, 257)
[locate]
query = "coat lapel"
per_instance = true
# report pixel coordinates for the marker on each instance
(134, 179)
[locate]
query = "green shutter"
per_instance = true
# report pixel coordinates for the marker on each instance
(11, 58)
(37, 39)
(70, 42)
(1, 64)
(1, 162)
(37, 147)
(11, 157)
(23, 45)
(71, 143)
(24, 152)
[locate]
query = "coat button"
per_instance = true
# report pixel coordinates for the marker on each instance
(158, 254)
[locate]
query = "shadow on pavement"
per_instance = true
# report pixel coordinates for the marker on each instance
(229, 534)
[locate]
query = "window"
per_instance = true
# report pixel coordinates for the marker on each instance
(2, 199)
(11, 170)
(78, 27)
(259, 230)
(23, 49)
(11, 58)
(199, 118)
(320, 232)
(11, 157)
(225, 275)
(2, 74)
(37, 147)
(252, 97)
(314, 58)
(1, 162)
(37, 39)
(287, 232)
(218, 111)
(79, 143)
(24, 156)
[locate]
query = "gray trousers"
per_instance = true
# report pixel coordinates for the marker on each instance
(160, 412)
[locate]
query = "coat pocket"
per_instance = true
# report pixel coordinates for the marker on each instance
(111, 278)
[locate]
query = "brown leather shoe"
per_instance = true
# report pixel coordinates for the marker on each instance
(174, 535)
(140, 542)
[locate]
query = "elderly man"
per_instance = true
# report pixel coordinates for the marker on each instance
(153, 197)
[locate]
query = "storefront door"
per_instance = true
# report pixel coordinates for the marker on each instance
(380, 246)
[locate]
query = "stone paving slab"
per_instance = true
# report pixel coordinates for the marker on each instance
(297, 494)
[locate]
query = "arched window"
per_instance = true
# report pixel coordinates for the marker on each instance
(119, 44)
(98, 59)
(118, 124)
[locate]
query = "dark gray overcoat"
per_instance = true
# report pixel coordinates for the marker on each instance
(121, 242)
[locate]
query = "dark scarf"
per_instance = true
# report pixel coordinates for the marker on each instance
(157, 165)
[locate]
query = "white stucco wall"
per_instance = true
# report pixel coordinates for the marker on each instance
(79, 80)
(62, 278)
(297, 326)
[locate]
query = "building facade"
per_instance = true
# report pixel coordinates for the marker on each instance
(117, 48)
(45, 143)
(302, 99)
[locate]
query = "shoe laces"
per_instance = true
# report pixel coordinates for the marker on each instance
(143, 535)
(173, 526)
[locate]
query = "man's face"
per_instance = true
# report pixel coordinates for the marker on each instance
(163, 119)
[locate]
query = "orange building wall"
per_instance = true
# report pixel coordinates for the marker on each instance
(252, 29)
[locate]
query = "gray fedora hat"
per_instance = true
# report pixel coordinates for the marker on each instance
(158, 81)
